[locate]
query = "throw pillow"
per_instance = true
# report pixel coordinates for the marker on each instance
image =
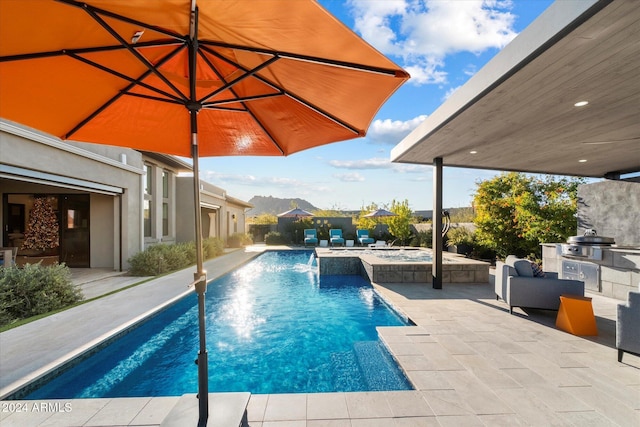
(523, 267)
(537, 271)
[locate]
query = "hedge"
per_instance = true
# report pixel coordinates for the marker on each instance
(35, 289)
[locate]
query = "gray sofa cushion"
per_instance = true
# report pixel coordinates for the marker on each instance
(522, 266)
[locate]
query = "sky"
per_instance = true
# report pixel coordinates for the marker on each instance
(441, 44)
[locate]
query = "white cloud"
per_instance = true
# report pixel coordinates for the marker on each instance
(392, 131)
(374, 163)
(217, 177)
(220, 179)
(377, 163)
(424, 32)
(349, 177)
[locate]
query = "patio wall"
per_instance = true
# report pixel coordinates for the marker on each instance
(376, 270)
(612, 208)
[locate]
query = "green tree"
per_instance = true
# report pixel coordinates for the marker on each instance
(400, 225)
(516, 212)
(264, 218)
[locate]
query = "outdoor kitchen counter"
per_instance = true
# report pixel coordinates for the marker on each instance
(618, 271)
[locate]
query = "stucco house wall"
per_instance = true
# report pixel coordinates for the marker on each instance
(222, 215)
(31, 162)
(135, 199)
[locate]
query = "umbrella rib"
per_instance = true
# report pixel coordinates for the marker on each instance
(241, 100)
(134, 52)
(154, 98)
(264, 129)
(235, 64)
(124, 91)
(122, 18)
(137, 82)
(54, 53)
(286, 92)
(309, 58)
(229, 85)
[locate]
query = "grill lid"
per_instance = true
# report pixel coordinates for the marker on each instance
(590, 238)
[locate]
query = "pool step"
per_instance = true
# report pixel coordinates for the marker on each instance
(380, 371)
(343, 364)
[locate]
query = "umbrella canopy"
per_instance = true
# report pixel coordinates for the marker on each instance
(265, 78)
(379, 213)
(190, 78)
(295, 213)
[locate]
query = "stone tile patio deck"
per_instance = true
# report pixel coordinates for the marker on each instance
(472, 363)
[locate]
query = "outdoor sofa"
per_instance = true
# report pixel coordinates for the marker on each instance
(520, 284)
(628, 326)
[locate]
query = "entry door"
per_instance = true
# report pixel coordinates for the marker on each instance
(74, 230)
(14, 222)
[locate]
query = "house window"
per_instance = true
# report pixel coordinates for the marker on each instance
(165, 219)
(148, 201)
(166, 201)
(165, 184)
(147, 218)
(148, 184)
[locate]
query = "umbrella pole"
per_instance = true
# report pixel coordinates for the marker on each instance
(200, 276)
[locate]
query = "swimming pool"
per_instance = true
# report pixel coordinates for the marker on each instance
(273, 326)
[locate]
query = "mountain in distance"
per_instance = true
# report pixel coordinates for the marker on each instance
(275, 205)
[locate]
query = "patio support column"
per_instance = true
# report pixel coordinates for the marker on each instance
(436, 268)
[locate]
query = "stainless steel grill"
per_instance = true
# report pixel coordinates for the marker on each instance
(588, 246)
(580, 251)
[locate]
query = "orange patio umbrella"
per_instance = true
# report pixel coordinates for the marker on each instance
(190, 78)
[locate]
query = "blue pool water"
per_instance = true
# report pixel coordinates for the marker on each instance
(273, 326)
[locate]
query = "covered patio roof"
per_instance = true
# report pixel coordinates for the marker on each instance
(517, 113)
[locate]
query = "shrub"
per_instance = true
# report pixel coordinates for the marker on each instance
(163, 258)
(258, 231)
(33, 290)
(460, 236)
(237, 240)
(275, 238)
(212, 246)
(160, 259)
(422, 239)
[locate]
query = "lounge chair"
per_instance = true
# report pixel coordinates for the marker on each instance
(335, 237)
(310, 236)
(363, 237)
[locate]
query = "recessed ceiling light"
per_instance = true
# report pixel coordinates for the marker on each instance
(473, 152)
(580, 103)
(582, 161)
